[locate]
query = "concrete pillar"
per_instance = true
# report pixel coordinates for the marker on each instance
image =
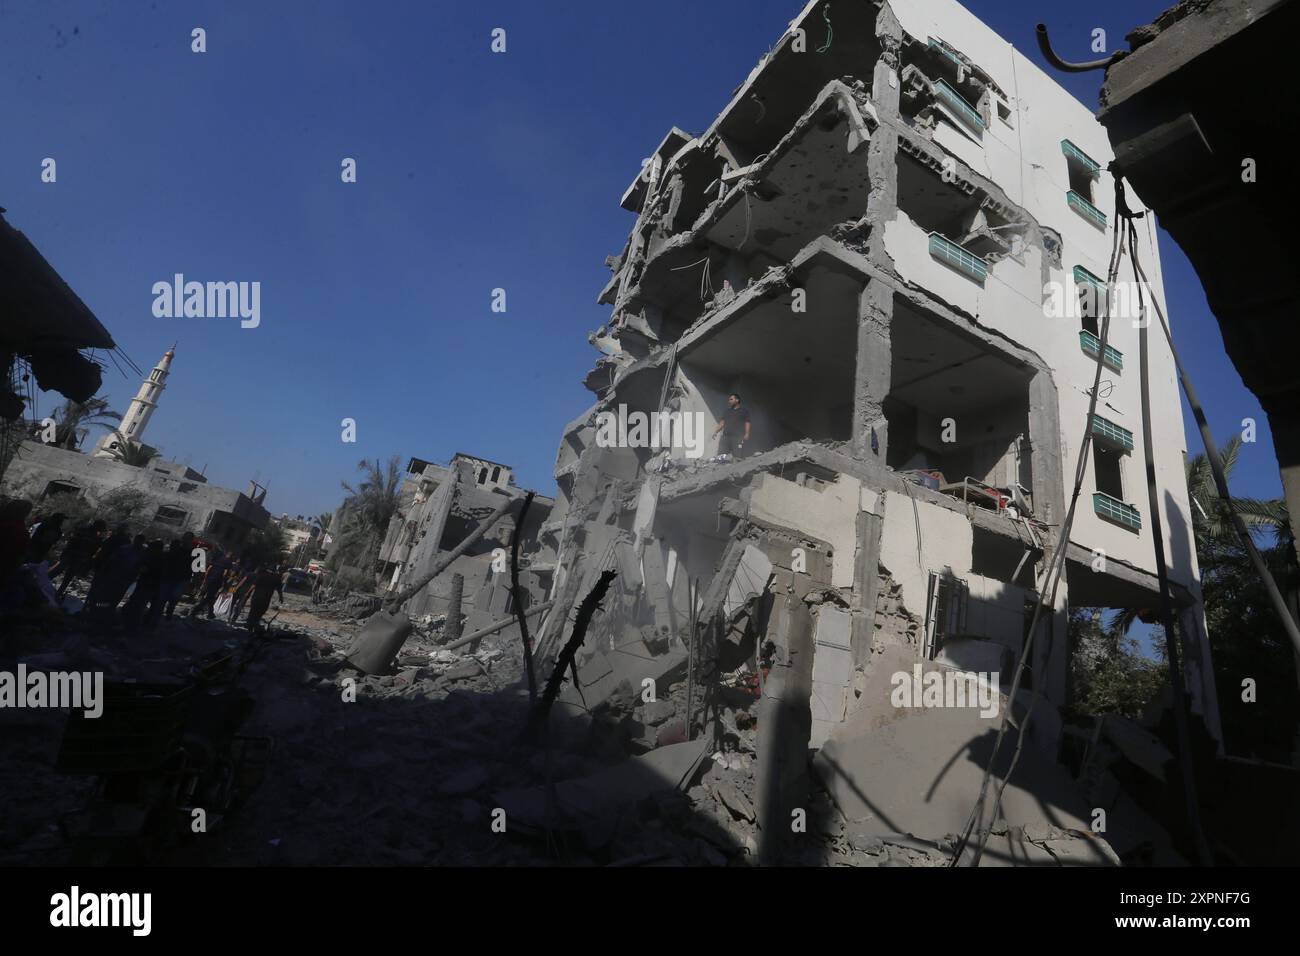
(451, 631)
(867, 571)
(871, 388)
(784, 728)
(439, 507)
(1051, 654)
(886, 89)
(1045, 450)
(876, 303)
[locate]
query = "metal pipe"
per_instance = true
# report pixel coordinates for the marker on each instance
(498, 626)
(1045, 46)
(453, 626)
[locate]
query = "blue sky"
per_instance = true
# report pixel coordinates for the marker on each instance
(475, 171)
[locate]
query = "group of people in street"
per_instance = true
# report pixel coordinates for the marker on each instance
(149, 576)
(228, 585)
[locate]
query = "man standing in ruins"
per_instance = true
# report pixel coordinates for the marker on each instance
(734, 426)
(211, 585)
(266, 582)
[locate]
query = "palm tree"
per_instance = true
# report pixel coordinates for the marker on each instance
(129, 452)
(371, 505)
(1216, 540)
(268, 544)
(70, 416)
(1211, 519)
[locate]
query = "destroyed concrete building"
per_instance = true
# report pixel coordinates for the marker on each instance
(439, 506)
(863, 245)
(180, 497)
(300, 536)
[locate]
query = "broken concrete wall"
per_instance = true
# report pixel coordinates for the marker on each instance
(825, 510)
(438, 507)
(221, 515)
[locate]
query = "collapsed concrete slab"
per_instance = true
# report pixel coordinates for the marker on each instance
(632, 664)
(914, 769)
(593, 804)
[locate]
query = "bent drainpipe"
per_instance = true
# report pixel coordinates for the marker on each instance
(1045, 46)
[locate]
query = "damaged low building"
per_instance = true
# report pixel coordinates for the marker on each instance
(863, 246)
(180, 497)
(439, 506)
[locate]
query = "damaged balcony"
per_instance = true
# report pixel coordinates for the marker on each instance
(962, 227)
(951, 254)
(958, 412)
(942, 83)
(956, 103)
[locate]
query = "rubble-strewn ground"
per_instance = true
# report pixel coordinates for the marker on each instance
(411, 771)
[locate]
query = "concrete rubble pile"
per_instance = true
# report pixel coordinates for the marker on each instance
(412, 768)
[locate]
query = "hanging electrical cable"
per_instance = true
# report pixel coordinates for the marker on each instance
(1221, 482)
(1173, 633)
(1051, 582)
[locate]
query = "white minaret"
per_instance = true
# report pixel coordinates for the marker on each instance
(142, 406)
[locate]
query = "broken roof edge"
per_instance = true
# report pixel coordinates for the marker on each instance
(467, 459)
(739, 94)
(631, 201)
(1174, 47)
(993, 194)
(487, 461)
(716, 210)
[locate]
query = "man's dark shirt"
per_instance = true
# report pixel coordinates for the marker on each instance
(267, 583)
(734, 421)
(81, 548)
